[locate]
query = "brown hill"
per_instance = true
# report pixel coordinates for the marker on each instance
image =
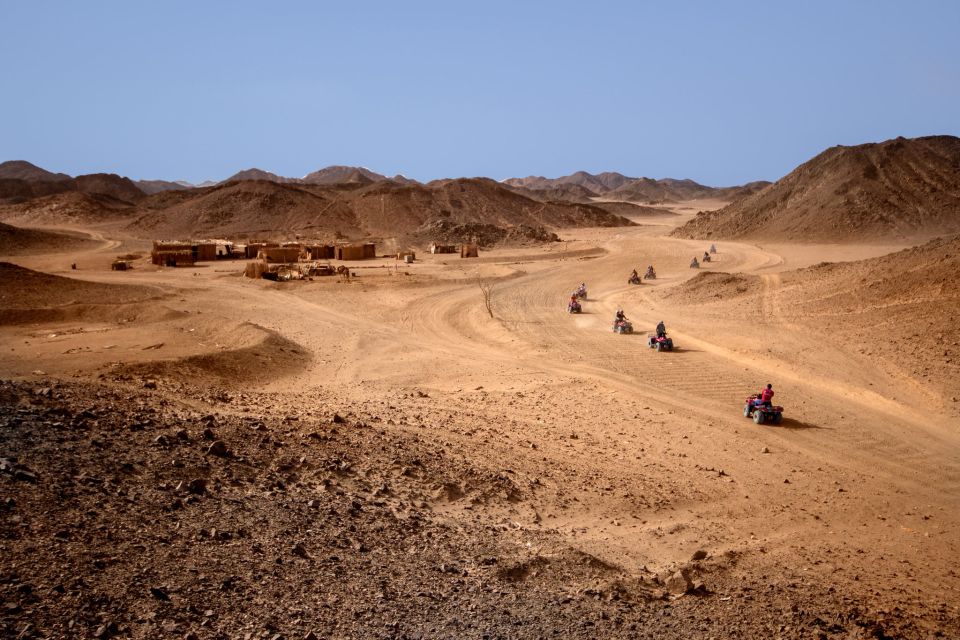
(390, 209)
(71, 207)
(257, 174)
(23, 170)
(337, 174)
(557, 193)
(581, 186)
(150, 187)
(732, 194)
(15, 190)
(657, 191)
(15, 241)
(109, 184)
(242, 208)
(600, 183)
(891, 190)
(381, 209)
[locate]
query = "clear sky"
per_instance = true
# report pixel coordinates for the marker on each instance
(721, 92)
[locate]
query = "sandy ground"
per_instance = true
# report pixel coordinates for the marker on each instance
(644, 457)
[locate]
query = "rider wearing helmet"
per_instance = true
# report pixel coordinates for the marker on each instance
(621, 316)
(661, 330)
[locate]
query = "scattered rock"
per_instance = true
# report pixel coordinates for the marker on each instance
(197, 486)
(160, 593)
(219, 448)
(699, 554)
(679, 583)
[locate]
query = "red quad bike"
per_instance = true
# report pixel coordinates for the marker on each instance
(622, 326)
(660, 343)
(574, 307)
(760, 412)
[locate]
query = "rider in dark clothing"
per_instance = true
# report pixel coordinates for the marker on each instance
(621, 316)
(661, 329)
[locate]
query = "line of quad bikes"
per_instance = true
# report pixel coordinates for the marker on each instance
(753, 408)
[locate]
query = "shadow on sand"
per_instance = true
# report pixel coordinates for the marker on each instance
(791, 423)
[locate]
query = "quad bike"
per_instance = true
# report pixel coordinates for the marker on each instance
(581, 292)
(762, 412)
(650, 274)
(660, 343)
(634, 280)
(713, 248)
(694, 264)
(574, 307)
(706, 257)
(622, 326)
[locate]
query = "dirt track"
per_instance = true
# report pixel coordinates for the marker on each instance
(643, 457)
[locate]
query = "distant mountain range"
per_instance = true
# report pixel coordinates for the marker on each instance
(335, 202)
(582, 186)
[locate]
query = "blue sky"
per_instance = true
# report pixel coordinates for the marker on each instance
(721, 92)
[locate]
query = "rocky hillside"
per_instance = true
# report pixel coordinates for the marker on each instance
(156, 186)
(381, 209)
(338, 174)
(23, 170)
(890, 190)
(249, 207)
(16, 190)
(580, 186)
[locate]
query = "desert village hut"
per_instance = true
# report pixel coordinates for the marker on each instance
(205, 251)
(322, 252)
(356, 251)
(175, 252)
(469, 251)
(172, 254)
(443, 248)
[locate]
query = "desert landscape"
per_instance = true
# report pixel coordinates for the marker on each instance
(434, 447)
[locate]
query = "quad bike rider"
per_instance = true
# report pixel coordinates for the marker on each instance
(660, 341)
(713, 248)
(582, 291)
(706, 257)
(634, 277)
(760, 407)
(694, 264)
(574, 305)
(650, 274)
(621, 324)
